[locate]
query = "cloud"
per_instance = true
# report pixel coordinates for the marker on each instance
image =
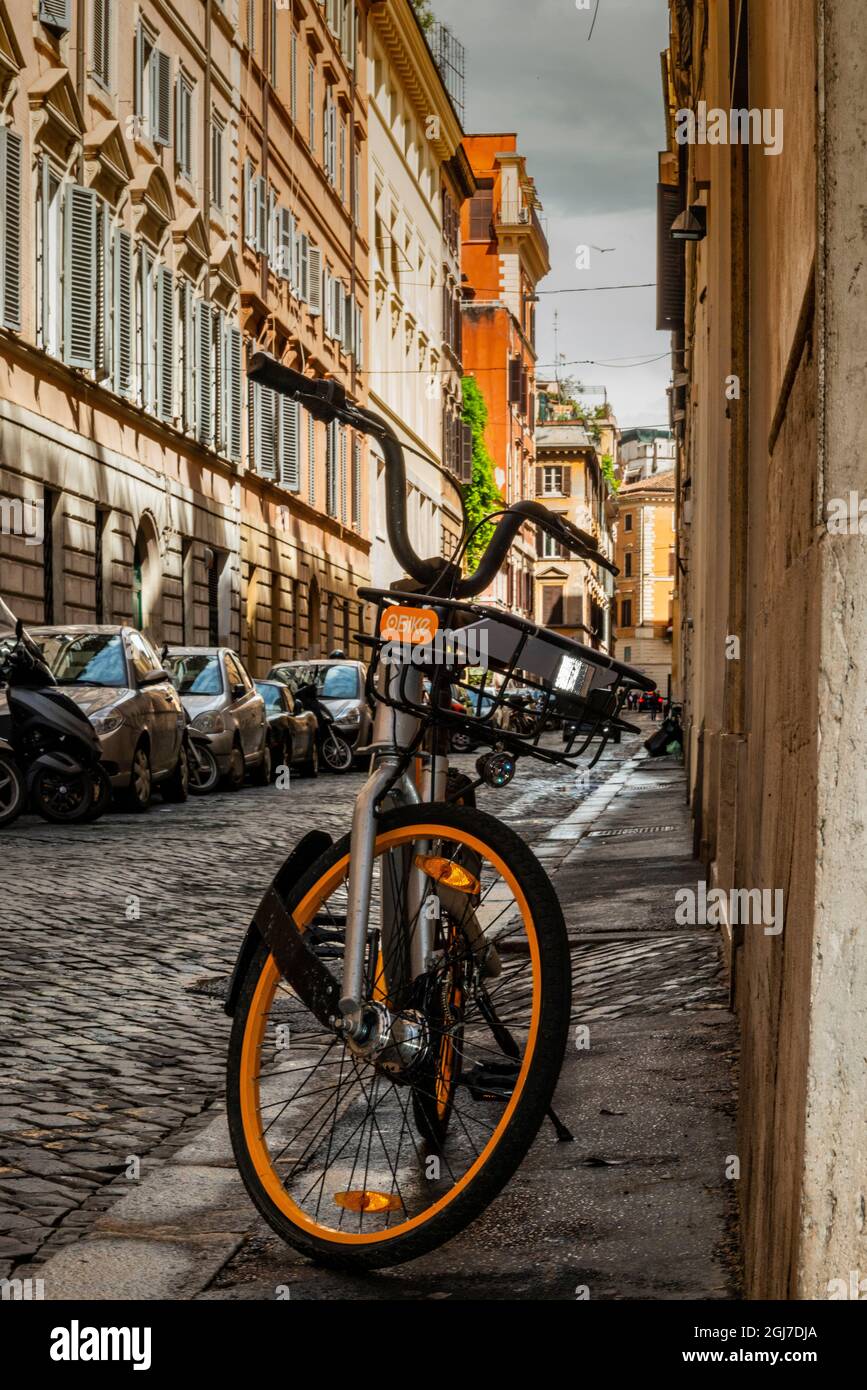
(589, 119)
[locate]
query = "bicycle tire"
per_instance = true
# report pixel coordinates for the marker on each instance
(533, 1089)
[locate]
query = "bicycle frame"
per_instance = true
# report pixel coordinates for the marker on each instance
(389, 784)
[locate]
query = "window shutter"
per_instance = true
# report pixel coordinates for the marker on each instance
(670, 260)
(356, 484)
(10, 228)
(233, 363)
(102, 40)
(466, 468)
(162, 113)
(514, 381)
(79, 277)
(261, 215)
(123, 359)
(328, 322)
(540, 537)
(203, 372)
(145, 335)
(264, 402)
(290, 425)
(348, 323)
(313, 286)
(56, 14)
(165, 343)
(284, 244)
(249, 205)
(344, 513)
(331, 468)
(271, 237)
(311, 460)
(540, 481)
(566, 481)
(218, 349)
(293, 76)
(103, 291)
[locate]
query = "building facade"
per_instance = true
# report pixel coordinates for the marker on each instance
(168, 204)
(571, 594)
(645, 555)
(504, 256)
(643, 451)
(302, 248)
(419, 178)
(766, 309)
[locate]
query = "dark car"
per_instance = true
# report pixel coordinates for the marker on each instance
(116, 678)
(224, 704)
(291, 734)
(340, 686)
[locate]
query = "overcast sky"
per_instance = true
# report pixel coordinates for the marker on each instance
(589, 119)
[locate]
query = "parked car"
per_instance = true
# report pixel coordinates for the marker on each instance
(340, 685)
(222, 702)
(291, 733)
(116, 678)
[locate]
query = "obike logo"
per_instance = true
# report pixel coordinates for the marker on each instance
(411, 626)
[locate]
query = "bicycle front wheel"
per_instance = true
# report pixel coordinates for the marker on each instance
(362, 1160)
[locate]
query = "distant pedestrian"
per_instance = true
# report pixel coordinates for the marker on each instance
(653, 702)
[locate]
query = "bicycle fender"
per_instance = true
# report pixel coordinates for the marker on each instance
(271, 922)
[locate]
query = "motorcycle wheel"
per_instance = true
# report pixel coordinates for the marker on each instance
(11, 791)
(62, 798)
(336, 753)
(204, 773)
(101, 795)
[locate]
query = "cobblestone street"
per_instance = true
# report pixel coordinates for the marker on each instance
(114, 1039)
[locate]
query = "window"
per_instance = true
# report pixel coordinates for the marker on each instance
(10, 228)
(293, 76)
(627, 521)
(123, 364)
(329, 140)
(481, 214)
(311, 104)
(165, 344)
(184, 125)
(672, 566)
(141, 655)
(152, 88)
(627, 565)
(217, 171)
(627, 653)
(102, 41)
(49, 507)
(51, 251)
(552, 482)
(552, 549)
(552, 605)
(626, 612)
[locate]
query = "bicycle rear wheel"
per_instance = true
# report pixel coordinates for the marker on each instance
(357, 1161)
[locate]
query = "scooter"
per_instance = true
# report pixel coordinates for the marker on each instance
(12, 791)
(335, 752)
(55, 746)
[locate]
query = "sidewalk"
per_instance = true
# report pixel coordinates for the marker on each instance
(637, 1207)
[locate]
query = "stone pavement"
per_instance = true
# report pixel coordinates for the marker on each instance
(637, 1207)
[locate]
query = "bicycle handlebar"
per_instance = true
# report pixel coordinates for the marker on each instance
(326, 400)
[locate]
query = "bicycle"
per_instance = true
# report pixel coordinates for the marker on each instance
(401, 1002)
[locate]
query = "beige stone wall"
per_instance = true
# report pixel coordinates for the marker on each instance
(778, 789)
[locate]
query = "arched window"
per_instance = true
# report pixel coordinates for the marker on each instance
(314, 619)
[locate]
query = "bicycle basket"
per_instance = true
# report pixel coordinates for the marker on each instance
(525, 678)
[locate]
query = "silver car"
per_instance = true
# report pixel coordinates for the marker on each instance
(340, 686)
(222, 702)
(115, 676)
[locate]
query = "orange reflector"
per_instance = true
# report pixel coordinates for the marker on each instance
(362, 1200)
(447, 872)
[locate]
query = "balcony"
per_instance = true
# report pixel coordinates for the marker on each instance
(448, 55)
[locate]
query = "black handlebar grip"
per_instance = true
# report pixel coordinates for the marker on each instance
(323, 399)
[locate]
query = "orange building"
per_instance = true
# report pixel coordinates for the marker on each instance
(504, 256)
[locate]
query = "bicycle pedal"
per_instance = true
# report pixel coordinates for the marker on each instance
(491, 1080)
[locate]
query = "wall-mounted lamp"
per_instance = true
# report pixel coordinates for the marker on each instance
(691, 225)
